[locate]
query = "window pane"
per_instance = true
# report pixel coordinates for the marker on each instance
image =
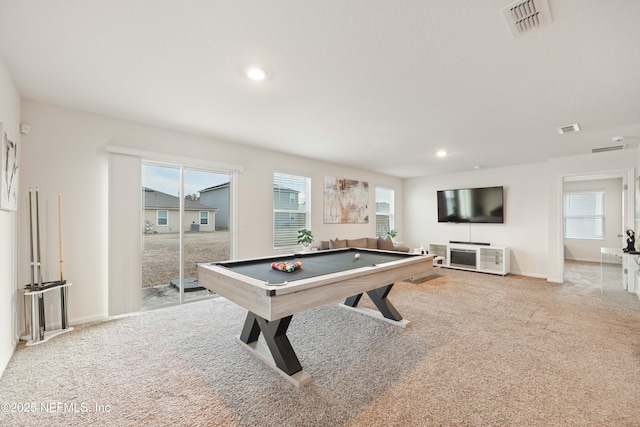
(384, 211)
(201, 236)
(163, 218)
(382, 225)
(161, 239)
(290, 208)
(204, 218)
(584, 215)
(584, 228)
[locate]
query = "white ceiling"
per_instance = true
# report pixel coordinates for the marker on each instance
(379, 85)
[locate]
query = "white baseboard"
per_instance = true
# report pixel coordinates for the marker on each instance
(535, 275)
(89, 319)
(582, 260)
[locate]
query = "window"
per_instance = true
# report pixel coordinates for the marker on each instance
(291, 210)
(204, 218)
(384, 211)
(584, 215)
(162, 218)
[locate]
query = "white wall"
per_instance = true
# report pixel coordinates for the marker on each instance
(589, 250)
(64, 153)
(524, 230)
(533, 209)
(10, 297)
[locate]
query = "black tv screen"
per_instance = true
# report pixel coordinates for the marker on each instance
(478, 205)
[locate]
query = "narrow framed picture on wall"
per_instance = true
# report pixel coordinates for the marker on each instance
(9, 158)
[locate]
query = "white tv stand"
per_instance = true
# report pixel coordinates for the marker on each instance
(473, 257)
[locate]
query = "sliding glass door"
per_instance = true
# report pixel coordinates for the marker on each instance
(185, 221)
(161, 235)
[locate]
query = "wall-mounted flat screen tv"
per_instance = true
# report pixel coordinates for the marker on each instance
(478, 205)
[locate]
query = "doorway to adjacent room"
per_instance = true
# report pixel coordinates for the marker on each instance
(597, 209)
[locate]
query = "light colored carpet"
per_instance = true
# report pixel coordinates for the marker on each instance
(482, 350)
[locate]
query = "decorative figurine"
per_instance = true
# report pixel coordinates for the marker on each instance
(631, 241)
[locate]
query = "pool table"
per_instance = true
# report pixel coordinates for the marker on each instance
(272, 297)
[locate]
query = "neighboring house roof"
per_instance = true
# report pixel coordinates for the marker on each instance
(281, 188)
(215, 187)
(153, 199)
(226, 184)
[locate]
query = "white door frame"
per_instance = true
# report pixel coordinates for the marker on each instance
(628, 214)
(124, 294)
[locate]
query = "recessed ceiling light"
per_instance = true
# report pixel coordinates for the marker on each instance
(257, 74)
(441, 153)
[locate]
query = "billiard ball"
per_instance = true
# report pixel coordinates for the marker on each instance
(357, 256)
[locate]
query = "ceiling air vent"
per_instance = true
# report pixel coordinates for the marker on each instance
(609, 148)
(527, 15)
(568, 128)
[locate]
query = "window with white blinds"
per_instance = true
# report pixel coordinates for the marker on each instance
(584, 215)
(291, 208)
(384, 211)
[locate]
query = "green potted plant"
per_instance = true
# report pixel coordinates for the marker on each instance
(305, 237)
(392, 233)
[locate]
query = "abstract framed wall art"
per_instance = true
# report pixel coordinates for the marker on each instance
(9, 158)
(345, 201)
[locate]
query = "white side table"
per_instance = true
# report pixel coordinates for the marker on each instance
(437, 263)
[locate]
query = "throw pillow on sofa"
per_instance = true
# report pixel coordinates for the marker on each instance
(385, 244)
(337, 244)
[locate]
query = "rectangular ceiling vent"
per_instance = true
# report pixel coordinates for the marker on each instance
(526, 15)
(609, 148)
(568, 129)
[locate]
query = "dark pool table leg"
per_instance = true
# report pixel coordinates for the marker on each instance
(275, 335)
(353, 301)
(379, 298)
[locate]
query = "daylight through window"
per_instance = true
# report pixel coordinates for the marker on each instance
(291, 210)
(584, 215)
(384, 211)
